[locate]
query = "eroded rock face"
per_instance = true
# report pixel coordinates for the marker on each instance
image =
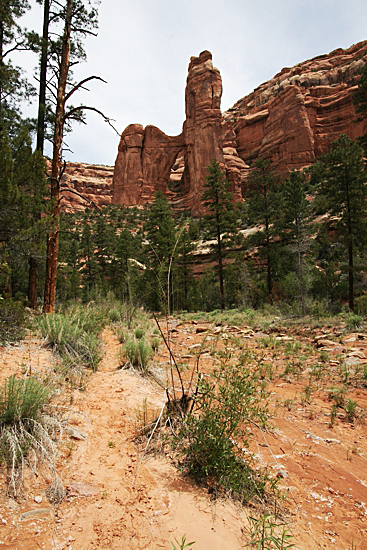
(143, 164)
(291, 120)
(86, 185)
(147, 157)
(202, 128)
(294, 117)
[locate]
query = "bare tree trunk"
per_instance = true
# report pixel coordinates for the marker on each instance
(53, 236)
(33, 282)
(43, 76)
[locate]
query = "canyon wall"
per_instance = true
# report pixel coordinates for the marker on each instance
(294, 117)
(291, 120)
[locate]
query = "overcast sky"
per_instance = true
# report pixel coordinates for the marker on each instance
(144, 46)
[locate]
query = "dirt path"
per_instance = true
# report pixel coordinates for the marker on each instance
(115, 498)
(119, 499)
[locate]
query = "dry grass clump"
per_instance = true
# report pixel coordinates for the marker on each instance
(27, 431)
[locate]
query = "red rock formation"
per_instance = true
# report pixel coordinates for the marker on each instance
(202, 128)
(84, 185)
(143, 164)
(146, 157)
(294, 117)
(291, 119)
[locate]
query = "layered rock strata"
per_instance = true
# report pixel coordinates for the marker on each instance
(291, 120)
(294, 117)
(86, 185)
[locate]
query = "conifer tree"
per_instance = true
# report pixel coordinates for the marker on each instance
(295, 222)
(263, 208)
(13, 87)
(220, 220)
(341, 178)
(159, 229)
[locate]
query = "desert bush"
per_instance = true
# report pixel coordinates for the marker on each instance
(351, 409)
(138, 353)
(25, 427)
(213, 442)
(354, 322)
(68, 335)
(155, 344)
(12, 317)
(139, 333)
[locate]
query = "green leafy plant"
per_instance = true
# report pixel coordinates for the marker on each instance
(213, 442)
(183, 544)
(267, 533)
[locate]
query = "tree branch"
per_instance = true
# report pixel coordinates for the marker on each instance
(70, 113)
(81, 196)
(68, 95)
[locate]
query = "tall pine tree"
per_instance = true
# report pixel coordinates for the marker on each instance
(341, 178)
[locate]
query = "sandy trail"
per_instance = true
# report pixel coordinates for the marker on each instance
(117, 498)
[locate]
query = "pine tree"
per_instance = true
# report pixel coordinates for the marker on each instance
(295, 223)
(77, 21)
(341, 177)
(264, 210)
(220, 220)
(13, 87)
(159, 229)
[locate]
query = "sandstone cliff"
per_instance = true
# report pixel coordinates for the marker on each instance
(294, 117)
(85, 185)
(291, 119)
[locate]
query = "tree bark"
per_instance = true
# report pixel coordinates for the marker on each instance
(43, 76)
(33, 282)
(53, 236)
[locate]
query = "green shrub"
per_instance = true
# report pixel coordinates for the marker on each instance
(114, 315)
(351, 409)
(68, 335)
(214, 441)
(22, 400)
(12, 317)
(354, 322)
(138, 353)
(155, 344)
(139, 333)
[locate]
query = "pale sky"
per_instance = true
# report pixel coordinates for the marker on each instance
(144, 47)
